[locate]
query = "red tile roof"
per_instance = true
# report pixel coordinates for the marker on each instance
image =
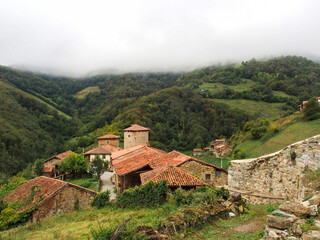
(197, 150)
(104, 149)
(48, 169)
(136, 128)
(175, 177)
(49, 187)
(60, 156)
(108, 136)
(136, 160)
(123, 152)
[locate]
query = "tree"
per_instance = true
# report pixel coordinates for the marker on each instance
(99, 166)
(38, 167)
(311, 110)
(74, 163)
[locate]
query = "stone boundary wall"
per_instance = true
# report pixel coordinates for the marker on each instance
(278, 174)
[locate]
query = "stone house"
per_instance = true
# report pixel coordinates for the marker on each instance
(217, 142)
(51, 165)
(197, 152)
(52, 196)
(130, 163)
(135, 135)
(109, 139)
(175, 177)
(302, 106)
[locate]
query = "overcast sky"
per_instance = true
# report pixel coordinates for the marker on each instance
(74, 37)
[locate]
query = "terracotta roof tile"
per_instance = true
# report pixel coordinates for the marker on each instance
(136, 160)
(104, 149)
(197, 150)
(108, 136)
(135, 128)
(48, 188)
(175, 177)
(48, 169)
(123, 152)
(60, 156)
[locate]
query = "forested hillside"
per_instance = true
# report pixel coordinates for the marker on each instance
(42, 115)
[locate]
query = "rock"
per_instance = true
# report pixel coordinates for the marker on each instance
(296, 229)
(284, 214)
(273, 236)
(236, 196)
(234, 209)
(314, 210)
(306, 203)
(311, 235)
(295, 208)
(231, 214)
(281, 234)
(227, 204)
(151, 233)
(241, 209)
(315, 200)
(292, 238)
(317, 223)
(279, 222)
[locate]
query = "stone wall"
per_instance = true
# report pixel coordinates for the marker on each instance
(64, 201)
(218, 178)
(53, 162)
(277, 174)
(113, 142)
(132, 139)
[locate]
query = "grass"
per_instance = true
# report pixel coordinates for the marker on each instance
(218, 87)
(271, 111)
(84, 92)
(248, 226)
(291, 133)
(91, 183)
(77, 224)
(207, 157)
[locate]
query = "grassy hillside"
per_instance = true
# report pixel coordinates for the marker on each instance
(270, 111)
(78, 224)
(29, 129)
(84, 92)
(273, 142)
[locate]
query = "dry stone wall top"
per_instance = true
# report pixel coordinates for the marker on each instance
(278, 174)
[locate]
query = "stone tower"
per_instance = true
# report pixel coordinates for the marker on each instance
(135, 135)
(109, 139)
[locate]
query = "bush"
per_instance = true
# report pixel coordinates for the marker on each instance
(101, 199)
(207, 195)
(146, 195)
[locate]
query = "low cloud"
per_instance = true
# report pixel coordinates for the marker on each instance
(80, 37)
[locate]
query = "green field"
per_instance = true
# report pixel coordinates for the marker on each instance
(84, 92)
(91, 183)
(290, 134)
(271, 111)
(218, 87)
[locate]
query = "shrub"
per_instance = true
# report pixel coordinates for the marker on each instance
(146, 195)
(206, 195)
(101, 199)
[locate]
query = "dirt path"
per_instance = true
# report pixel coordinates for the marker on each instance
(106, 184)
(252, 226)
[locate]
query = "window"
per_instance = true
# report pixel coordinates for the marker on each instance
(218, 173)
(129, 135)
(108, 142)
(208, 177)
(103, 156)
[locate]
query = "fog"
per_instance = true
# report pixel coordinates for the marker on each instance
(76, 38)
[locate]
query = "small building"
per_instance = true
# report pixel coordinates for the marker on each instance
(302, 106)
(197, 152)
(136, 135)
(175, 177)
(109, 139)
(51, 165)
(222, 150)
(52, 196)
(217, 142)
(104, 152)
(206, 149)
